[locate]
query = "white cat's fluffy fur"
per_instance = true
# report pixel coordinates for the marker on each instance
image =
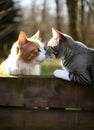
(14, 65)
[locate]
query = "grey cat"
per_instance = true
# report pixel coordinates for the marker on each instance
(78, 59)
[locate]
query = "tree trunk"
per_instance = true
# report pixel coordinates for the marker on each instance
(72, 12)
(58, 15)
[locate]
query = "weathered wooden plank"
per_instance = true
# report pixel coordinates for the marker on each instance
(11, 119)
(42, 92)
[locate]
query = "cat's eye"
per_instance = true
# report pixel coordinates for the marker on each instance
(53, 48)
(55, 51)
(60, 43)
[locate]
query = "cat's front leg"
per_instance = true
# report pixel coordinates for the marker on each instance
(63, 74)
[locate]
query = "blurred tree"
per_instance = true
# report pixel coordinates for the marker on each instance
(89, 22)
(44, 20)
(90, 16)
(34, 14)
(80, 19)
(47, 21)
(58, 14)
(72, 13)
(75, 16)
(58, 17)
(9, 21)
(40, 19)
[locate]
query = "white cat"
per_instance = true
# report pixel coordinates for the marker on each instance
(25, 56)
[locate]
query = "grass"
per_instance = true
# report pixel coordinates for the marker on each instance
(49, 66)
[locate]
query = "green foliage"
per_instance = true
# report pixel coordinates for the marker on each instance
(9, 21)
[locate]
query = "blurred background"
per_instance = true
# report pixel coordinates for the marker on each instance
(74, 17)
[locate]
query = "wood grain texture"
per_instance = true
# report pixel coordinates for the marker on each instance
(41, 92)
(11, 119)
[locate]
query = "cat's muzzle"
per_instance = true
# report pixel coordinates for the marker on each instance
(50, 52)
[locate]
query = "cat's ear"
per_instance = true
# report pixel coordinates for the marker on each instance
(22, 39)
(36, 35)
(60, 36)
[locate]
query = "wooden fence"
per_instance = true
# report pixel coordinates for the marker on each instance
(45, 103)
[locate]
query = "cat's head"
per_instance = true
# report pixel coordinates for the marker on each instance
(29, 50)
(58, 43)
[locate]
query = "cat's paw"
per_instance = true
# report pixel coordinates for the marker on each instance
(63, 74)
(57, 73)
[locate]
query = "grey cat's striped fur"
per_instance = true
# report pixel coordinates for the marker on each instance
(78, 59)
